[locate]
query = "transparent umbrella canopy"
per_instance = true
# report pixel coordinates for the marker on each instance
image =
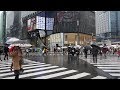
(11, 40)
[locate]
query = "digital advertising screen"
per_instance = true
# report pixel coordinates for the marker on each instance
(40, 24)
(31, 23)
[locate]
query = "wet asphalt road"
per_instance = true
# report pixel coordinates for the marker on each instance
(70, 62)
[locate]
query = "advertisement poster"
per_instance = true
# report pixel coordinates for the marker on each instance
(31, 24)
(40, 24)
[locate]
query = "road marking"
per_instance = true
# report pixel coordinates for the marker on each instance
(30, 67)
(78, 76)
(56, 74)
(99, 77)
(38, 73)
(115, 74)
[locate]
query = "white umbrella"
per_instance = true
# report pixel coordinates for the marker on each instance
(22, 45)
(64, 47)
(11, 40)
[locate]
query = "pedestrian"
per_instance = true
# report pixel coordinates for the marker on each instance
(85, 50)
(16, 59)
(54, 50)
(118, 52)
(105, 50)
(0, 53)
(27, 52)
(6, 50)
(95, 51)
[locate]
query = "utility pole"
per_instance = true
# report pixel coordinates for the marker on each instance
(45, 31)
(4, 27)
(78, 34)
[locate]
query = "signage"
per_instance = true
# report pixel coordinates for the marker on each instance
(40, 23)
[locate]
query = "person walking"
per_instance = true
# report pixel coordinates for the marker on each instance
(105, 50)
(27, 53)
(118, 52)
(16, 59)
(95, 53)
(0, 53)
(85, 52)
(6, 50)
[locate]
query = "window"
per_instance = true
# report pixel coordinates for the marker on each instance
(65, 37)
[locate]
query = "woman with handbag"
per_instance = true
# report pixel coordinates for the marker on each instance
(16, 55)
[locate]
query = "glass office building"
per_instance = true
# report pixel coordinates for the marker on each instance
(108, 25)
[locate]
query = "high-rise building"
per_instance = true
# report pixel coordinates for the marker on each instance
(14, 23)
(108, 25)
(1, 28)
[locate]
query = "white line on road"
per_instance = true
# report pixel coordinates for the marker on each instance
(109, 67)
(30, 67)
(56, 74)
(99, 77)
(78, 76)
(37, 73)
(112, 71)
(115, 74)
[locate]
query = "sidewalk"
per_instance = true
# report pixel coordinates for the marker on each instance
(111, 59)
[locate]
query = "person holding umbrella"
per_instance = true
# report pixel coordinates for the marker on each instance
(95, 50)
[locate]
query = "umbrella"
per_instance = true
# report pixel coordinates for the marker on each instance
(11, 40)
(77, 46)
(20, 42)
(88, 47)
(22, 45)
(64, 47)
(94, 45)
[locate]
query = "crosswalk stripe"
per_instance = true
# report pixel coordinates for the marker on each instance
(78, 76)
(42, 72)
(115, 74)
(56, 74)
(29, 65)
(107, 65)
(99, 77)
(26, 68)
(36, 73)
(112, 71)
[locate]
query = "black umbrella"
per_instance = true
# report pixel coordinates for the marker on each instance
(94, 45)
(88, 47)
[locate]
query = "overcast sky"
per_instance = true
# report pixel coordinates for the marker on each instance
(1, 11)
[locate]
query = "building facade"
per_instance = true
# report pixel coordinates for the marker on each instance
(108, 25)
(1, 28)
(14, 23)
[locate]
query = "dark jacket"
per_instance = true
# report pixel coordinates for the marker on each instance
(95, 51)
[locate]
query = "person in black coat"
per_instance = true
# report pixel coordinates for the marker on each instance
(85, 52)
(95, 51)
(6, 50)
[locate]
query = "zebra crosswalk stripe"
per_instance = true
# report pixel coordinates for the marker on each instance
(80, 75)
(30, 67)
(10, 73)
(56, 74)
(37, 70)
(37, 73)
(99, 77)
(112, 69)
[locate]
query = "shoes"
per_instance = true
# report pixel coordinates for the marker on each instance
(11, 69)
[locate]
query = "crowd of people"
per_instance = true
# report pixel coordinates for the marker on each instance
(15, 52)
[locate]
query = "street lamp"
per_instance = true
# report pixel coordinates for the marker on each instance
(78, 40)
(4, 27)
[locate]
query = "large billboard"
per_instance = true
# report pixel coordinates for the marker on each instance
(40, 23)
(31, 24)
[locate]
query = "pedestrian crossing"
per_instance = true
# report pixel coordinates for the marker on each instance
(37, 70)
(112, 69)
